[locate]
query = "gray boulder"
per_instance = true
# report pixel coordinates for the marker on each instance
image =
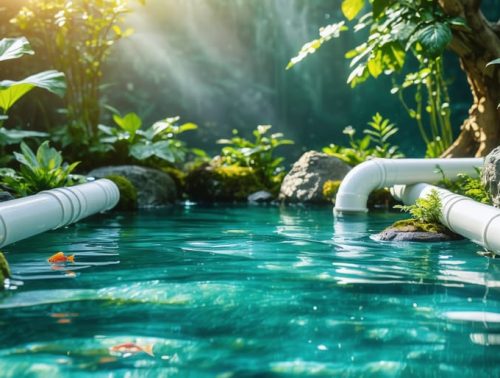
(6, 196)
(260, 196)
(154, 187)
(394, 234)
(304, 183)
(490, 176)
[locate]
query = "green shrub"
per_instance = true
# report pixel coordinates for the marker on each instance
(257, 155)
(128, 193)
(41, 171)
(375, 143)
(466, 186)
(425, 210)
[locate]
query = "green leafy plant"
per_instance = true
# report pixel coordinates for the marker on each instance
(161, 140)
(41, 171)
(396, 28)
(466, 185)
(77, 37)
(375, 143)
(12, 91)
(425, 210)
(257, 155)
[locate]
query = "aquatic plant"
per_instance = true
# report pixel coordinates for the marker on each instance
(423, 30)
(161, 140)
(41, 171)
(76, 37)
(375, 143)
(128, 192)
(13, 91)
(425, 210)
(257, 155)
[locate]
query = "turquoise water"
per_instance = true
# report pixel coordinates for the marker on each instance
(247, 292)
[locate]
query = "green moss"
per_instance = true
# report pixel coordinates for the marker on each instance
(381, 198)
(128, 193)
(413, 225)
(330, 189)
(221, 183)
(4, 270)
(177, 175)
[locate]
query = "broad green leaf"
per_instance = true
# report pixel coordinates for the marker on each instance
(16, 136)
(496, 61)
(11, 91)
(374, 64)
(351, 8)
(434, 38)
(12, 48)
(130, 123)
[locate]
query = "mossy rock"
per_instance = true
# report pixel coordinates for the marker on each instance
(221, 183)
(330, 189)
(4, 270)
(128, 193)
(413, 230)
(178, 176)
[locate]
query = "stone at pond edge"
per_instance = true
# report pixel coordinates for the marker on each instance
(6, 196)
(4, 270)
(412, 230)
(490, 176)
(154, 187)
(304, 183)
(260, 196)
(128, 193)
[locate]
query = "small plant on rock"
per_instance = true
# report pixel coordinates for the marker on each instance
(425, 210)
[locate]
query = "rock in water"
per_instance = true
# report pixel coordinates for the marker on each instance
(260, 196)
(304, 183)
(394, 234)
(490, 176)
(154, 187)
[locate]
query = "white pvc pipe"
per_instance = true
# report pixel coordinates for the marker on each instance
(32, 215)
(475, 221)
(380, 173)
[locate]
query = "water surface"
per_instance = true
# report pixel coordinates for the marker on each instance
(247, 291)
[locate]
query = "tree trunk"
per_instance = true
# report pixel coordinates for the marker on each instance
(476, 46)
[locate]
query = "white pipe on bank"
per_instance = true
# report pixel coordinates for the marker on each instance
(475, 221)
(47, 210)
(380, 173)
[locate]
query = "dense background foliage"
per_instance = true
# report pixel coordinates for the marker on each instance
(220, 64)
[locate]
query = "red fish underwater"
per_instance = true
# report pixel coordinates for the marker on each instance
(60, 257)
(132, 348)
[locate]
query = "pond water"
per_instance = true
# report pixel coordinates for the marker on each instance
(247, 291)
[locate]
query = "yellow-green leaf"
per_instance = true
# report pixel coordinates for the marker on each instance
(351, 8)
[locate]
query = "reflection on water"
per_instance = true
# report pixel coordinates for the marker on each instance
(247, 291)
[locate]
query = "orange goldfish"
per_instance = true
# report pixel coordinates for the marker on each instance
(59, 257)
(132, 348)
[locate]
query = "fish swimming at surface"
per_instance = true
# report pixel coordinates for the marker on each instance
(132, 348)
(60, 257)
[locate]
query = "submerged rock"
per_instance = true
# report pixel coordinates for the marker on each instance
(4, 270)
(411, 230)
(6, 196)
(154, 187)
(304, 183)
(490, 176)
(260, 196)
